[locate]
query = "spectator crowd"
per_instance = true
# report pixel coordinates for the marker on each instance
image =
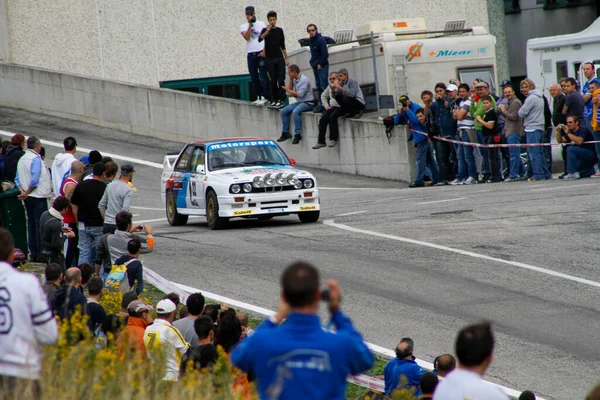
(457, 113)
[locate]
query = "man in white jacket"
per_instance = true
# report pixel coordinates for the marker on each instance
(61, 167)
(26, 323)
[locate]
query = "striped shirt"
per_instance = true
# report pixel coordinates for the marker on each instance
(467, 122)
(161, 334)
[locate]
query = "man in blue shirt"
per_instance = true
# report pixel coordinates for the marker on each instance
(298, 359)
(580, 157)
(319, 61)
(419, 135)
(403, 372)
(301, 89)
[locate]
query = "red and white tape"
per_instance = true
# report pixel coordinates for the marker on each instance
(368, 382)
(491, 146)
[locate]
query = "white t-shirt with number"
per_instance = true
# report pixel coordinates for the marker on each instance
(253, 44)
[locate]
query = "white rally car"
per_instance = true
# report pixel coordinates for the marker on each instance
(236, 177)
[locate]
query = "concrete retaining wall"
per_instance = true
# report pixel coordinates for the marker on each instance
(179, 116)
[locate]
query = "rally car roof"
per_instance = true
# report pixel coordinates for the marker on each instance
(230, 139)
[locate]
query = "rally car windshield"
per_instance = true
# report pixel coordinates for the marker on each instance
(246, 153)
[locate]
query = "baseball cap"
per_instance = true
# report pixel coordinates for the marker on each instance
(482, 84)
(451, 88)
(249, 9)
(505, 82)
(127, 168)
(137, 306)
(165, 306)
(403, 98)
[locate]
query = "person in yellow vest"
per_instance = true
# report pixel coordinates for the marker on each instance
(163, 336)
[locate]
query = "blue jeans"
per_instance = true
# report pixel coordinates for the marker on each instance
(297, 109)
(466, 160)
(89, 238)
(258, 74)
(539, 168)
(516, 164)
(321, 80)
(425, 159)
(547, 138)
(34, 207)
(597, 145)
(484, 168)
(580, 159)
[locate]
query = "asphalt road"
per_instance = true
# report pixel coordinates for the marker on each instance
(412, 262)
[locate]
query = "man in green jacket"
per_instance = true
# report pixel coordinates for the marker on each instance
(481, 161)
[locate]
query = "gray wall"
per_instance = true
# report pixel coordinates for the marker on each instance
(4, 39)
(178, 116)
(147, 41)
(533, 22)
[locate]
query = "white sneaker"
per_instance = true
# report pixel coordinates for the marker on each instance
(573, 176)
(257, 101)
(457, 182)
(470, 181)
(262, 101)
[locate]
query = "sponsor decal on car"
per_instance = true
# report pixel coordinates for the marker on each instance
(242, 212)
(276, 210)
(304, 208)
(230, 145)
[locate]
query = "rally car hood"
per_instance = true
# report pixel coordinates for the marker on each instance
(246, 174)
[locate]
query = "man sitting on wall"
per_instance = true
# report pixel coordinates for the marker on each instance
(301, 89)
(347, 93)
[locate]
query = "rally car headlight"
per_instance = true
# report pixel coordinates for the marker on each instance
(298, 184)
(281, 178)
(308, 183)
(269, 180)
(292, 179)
(258, 182)
(235, 189)
(247, 187)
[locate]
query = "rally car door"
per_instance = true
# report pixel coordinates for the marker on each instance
(198, 179)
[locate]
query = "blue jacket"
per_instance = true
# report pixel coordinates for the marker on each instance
(410, 118)
(396, 368)
(301, 360)
(319, 55)
(442, 117)
(2, 168)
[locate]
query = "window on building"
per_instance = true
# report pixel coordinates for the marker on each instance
(562, 70)
(512, 6)
(468, 76)
(230, 91)
(551, 4)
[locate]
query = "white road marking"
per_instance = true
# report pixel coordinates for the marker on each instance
(84, 150)
(577, 279)
(159, 281)
(441, 201)
(351, 213)
(563, 187)
(148, 208)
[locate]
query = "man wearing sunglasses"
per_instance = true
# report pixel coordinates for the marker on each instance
(251, 31)
(579, 156)
(319, 61)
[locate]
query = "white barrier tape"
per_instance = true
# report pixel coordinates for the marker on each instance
(361, 380)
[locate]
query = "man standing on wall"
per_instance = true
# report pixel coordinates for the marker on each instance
(274, 42)
(256, 55)
(319, 61)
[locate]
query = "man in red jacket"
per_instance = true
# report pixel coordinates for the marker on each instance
(131, 338)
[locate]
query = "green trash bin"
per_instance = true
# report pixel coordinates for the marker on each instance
(12, 216)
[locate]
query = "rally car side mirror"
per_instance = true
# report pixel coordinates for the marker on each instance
(200, 169)
(293, 162)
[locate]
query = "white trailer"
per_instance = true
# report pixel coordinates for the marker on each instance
(410, 61)
(552, 58)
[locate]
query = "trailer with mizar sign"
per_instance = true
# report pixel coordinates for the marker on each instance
(409, 58)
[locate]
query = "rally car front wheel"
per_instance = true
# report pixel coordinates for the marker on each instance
(212, 212)
(173, 217)
(309, 216)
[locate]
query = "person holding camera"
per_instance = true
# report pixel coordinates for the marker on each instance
(276, 59)
(579, 156)
(299, 359)
(251, 32)
(112, 246)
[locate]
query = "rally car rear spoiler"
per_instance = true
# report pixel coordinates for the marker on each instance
(169, 161)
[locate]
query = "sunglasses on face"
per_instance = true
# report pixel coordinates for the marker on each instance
(250, 14)
(310, 30)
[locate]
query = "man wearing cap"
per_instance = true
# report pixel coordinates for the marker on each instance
(117, 197)
(441, 109)
(251, 31)
(477, 109)
(162, 335)
(131, 337)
